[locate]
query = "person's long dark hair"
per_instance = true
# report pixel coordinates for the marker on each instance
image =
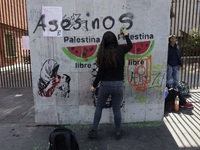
(108, 50)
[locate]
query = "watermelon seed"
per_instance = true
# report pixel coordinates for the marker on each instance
(91, 48)
(146, 45)
(86, 49)
(139, 49)
(72, 48)
(84, 54)
(76, 51)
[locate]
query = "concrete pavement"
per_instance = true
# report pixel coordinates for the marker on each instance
(178, 130)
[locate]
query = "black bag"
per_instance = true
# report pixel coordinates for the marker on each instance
(63, 139)
(169, 100)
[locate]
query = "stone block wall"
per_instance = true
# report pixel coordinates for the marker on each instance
(64, 39)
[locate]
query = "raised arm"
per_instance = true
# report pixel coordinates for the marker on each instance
(129, 45)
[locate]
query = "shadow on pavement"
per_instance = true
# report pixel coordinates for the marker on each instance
(177, 130)
(184, 125)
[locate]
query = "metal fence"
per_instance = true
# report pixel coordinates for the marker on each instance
(185, 24)
(15, 68)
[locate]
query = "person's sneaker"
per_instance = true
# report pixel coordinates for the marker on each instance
(118, 136)
(92, 133)
(187, 105)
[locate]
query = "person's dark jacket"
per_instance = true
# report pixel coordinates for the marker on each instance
(178, 52)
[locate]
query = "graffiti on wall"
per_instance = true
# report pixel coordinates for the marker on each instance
(140, 49)
(50, 83)
(157, 78)
(141, 74)
(89, 52)
(139, 71)
(138, 74)
(81, 53)
(76, 22)
(139, 66)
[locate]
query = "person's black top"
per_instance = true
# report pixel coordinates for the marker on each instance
(112, 73)
(173, 58)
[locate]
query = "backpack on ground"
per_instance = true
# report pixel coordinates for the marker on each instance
(63, 139)
(183, 88)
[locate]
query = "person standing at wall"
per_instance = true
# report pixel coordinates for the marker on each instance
(110, 61)
(174, 62)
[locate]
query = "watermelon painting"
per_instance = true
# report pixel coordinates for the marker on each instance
(140, 49)
(81, 53)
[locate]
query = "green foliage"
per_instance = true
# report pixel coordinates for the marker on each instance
(193, 42)
(172, 14)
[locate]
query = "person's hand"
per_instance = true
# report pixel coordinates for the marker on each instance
(124, 31)
(167, 68)
(92, 89)
(179, 68)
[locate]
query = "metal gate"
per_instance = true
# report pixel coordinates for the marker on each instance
(15, 68)
(185, 24)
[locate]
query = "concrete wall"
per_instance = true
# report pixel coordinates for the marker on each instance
(63, 67)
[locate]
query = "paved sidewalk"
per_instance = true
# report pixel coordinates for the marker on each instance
(178, 130)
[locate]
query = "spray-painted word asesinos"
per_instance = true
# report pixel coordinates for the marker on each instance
(76, 22)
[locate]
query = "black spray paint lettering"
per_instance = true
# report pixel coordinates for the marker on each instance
(129, 15)
(82, 65)
(158, 79)
(42, 24)
(73, 21)
(76, 22)
(111, 19)
(138, 79)
(136, 62)
(53, 22)
(93, 23)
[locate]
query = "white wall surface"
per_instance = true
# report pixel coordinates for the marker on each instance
(143, 101)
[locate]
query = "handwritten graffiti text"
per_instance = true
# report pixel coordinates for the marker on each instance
(76, 22)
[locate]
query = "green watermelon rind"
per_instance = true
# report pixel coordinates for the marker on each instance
(142, 55)
(73, 57)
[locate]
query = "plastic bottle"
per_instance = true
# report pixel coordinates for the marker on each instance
(176, 103)
(121, 33)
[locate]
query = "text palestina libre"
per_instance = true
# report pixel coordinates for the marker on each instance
(90, 39)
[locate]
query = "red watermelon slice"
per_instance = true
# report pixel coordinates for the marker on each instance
(81, 53)
(140, 49)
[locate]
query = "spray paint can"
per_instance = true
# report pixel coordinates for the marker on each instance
(121, 32)
(176, 103)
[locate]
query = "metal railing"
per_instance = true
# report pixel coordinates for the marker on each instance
(15, 68)
(185, 24)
